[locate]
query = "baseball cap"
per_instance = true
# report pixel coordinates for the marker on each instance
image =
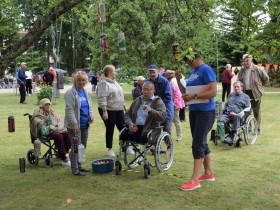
(23, 63)
(140, 78)
(152, 67)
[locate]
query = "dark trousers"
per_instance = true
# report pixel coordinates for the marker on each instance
(22, 93)
(182, 114)
(28, 86)
(135, 137)
(62, 143)
(114, 118)
(256, 107)
(201, 123)
(226, 90)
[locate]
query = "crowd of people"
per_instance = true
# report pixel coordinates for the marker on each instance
(157, 99)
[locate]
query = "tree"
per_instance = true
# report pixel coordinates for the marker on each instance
(35, 33)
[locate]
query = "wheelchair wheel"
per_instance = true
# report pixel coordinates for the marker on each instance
(118, 167)
(251, 130)
(164, 152)
(147, 171)
(48, 161)
(32, 157)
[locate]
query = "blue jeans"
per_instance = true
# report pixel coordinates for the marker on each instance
(201, 123)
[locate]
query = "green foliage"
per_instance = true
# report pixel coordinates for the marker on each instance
(45, 92)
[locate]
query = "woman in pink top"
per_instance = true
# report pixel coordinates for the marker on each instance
(177, 100)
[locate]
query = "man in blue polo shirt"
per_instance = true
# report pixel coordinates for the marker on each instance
(163, 90)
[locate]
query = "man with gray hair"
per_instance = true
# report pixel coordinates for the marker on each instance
(237, 103)
(226, 81)
(254, 78)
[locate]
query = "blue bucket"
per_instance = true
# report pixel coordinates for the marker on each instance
(102, 165)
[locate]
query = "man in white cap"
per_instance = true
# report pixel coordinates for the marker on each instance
(21, 80)
(253, 77)
(137, 91)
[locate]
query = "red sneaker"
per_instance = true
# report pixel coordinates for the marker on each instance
(209, 177)
(190, 186)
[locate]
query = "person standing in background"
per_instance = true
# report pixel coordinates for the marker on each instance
(177, 100)
(78, 117)
(226, 81)
(29, 78)
(254, 78)
(137, 91)
(163, 90)
(21, 80)
(55, 90)
(110, 99)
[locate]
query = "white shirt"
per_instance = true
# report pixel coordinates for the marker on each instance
(29, 74)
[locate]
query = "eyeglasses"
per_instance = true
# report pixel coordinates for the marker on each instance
(147, 89)
(47, 104)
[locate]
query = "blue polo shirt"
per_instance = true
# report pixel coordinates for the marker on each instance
(84, 110)
(202, 75)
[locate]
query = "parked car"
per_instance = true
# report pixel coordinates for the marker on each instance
(38, 77)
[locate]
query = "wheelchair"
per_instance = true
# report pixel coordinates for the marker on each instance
(158, 142)
(246, 132)
(33, 158)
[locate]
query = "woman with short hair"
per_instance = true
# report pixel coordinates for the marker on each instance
(78, 117)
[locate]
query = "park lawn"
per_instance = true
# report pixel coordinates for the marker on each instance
(246, 177)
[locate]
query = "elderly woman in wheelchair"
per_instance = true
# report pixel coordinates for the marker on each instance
(236, 117)
(46, 125)
(143, 132)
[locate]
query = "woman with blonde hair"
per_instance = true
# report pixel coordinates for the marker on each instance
(78, 117)
(110, 99)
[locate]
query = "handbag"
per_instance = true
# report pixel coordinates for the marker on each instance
(45, 130)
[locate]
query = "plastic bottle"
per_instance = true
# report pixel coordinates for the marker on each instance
(81, 153)
(37, 147)
(221, 131)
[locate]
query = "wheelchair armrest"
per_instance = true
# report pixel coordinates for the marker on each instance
(123, 130)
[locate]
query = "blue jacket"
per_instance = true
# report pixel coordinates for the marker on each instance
(21, 76)
(164, 91)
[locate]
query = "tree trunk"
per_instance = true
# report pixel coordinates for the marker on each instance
(35, 33)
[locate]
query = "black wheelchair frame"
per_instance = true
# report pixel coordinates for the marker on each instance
(33, 158)
(159, 143)
(246, 132)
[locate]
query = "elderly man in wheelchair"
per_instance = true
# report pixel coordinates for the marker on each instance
(143, 131)
(236, 109)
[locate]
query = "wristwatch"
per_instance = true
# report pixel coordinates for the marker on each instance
(195, 96)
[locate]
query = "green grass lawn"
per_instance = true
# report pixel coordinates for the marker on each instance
(246, 177)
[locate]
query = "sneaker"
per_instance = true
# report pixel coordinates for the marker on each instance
(190, 186)
(111, 153)
(209, 177)
(179, 138)
(130, 151)
(66, 163)
(78, 174)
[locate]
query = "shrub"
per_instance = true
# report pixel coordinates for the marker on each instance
(45, 92)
